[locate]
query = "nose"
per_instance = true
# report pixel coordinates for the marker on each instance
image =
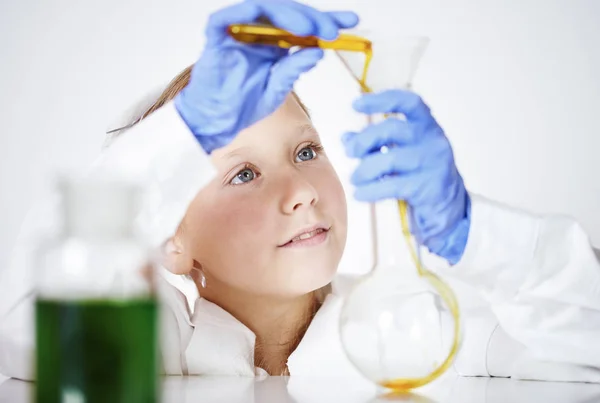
(298, 193)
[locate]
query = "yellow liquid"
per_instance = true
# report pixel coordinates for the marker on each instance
(268, 35)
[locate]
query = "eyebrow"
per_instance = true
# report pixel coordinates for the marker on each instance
(234, 153)
(306, 127)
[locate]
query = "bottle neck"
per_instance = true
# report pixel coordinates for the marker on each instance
(391, 253)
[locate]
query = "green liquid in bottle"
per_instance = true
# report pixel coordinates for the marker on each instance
(97, 351)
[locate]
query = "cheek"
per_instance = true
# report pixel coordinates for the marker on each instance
(331, 196)
(230, 233)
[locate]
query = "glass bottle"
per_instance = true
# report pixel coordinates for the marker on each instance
(96, 311)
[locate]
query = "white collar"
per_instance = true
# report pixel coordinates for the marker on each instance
(221, 344)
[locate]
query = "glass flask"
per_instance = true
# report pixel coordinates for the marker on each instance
(400, 325)
(96, 311)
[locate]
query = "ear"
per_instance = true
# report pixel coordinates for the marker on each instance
(176, 258)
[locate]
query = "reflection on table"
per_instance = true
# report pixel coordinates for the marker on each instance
(315, 390)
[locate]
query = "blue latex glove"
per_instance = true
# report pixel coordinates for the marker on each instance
(418, 167)
(234, 85)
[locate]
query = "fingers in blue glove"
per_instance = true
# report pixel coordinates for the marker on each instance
(281, 14)
(401, 187)
(432, 155)
(417, 187)
(344, 19)
(324, 26)
(286, 72)
(391, 131)
(393, 101)
(397, 160)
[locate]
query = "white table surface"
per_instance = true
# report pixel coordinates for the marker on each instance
(317, 390)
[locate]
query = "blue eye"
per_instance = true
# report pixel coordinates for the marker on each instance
(244, 176)
(306, 154)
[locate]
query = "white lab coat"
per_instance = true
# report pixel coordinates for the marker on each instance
(539, 276)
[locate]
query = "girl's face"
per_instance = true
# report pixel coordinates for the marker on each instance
(273, 221)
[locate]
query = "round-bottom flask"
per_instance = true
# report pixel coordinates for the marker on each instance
(400, 325)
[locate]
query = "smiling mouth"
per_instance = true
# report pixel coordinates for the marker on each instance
(308, 235)
(309, 238)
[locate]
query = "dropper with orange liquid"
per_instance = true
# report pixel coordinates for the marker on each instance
(269, 35)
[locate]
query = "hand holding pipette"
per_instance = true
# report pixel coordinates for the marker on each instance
(233, 84)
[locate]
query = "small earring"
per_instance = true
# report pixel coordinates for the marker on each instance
(202, 278)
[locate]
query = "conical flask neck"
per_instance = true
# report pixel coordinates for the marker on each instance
(393, 60)
(390, 246)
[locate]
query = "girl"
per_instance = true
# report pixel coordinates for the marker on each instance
(248, 205)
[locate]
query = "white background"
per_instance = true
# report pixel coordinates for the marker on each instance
(514, 83)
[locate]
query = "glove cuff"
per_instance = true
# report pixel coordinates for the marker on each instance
(456, 240)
